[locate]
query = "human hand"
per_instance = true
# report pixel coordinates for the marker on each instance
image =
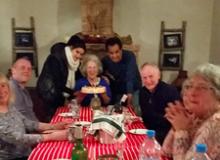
(105, 97)
(104, 94)
(58, 135)
(178, 116)
(59, 125)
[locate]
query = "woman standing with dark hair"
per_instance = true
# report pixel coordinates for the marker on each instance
(59, 73)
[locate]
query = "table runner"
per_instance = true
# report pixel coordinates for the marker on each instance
(62, 149)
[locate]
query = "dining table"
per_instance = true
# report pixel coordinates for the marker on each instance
(55, 150)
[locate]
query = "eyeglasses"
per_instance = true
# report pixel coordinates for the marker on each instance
(201, 87)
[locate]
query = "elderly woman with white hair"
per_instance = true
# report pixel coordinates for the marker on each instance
(91, 68)
(197, 118)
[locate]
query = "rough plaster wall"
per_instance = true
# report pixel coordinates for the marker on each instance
(57, 19)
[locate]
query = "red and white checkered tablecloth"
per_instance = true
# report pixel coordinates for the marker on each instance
(62, 149)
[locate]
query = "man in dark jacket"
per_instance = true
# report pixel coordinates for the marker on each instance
(121, 68)
(153, 98)
(60, 70)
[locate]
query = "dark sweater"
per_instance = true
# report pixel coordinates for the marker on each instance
(126, 76)
(153, 106)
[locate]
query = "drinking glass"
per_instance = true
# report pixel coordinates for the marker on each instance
(71, 137)
(120, 147)
(74, 108)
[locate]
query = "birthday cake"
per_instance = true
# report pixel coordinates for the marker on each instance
(93, 89)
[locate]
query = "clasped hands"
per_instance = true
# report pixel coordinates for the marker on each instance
(178, 116)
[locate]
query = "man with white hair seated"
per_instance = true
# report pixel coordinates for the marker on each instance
(153, 98)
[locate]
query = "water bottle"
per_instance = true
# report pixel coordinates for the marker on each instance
(150, 149)
(200, 153)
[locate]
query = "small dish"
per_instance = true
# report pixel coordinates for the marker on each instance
(67, 114)
(138, 131)
(82, 123)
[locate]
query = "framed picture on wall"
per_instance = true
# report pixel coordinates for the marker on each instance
(171, 60)
(172, 40)
(24, 39)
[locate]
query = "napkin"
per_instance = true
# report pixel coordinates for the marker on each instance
(112, 124)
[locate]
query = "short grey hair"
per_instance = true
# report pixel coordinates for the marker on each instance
(211, 73)
(149, 64)
(87, 58)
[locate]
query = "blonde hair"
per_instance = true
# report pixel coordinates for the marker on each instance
(88, 58)
(3, 79)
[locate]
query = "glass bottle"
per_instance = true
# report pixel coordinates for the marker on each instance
(123, 100)
(118, 108)
(79, 151)
(95, 102)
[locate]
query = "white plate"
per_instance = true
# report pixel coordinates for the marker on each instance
(138, 131)
(67, 114)
(82, 123)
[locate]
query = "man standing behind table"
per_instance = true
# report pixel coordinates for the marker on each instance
(121, 68)
(21, 73)
(153, 98)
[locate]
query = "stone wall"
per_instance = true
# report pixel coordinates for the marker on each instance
(97, 17)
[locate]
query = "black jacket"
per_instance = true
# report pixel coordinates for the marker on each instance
(153, 106)
(52, 80)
